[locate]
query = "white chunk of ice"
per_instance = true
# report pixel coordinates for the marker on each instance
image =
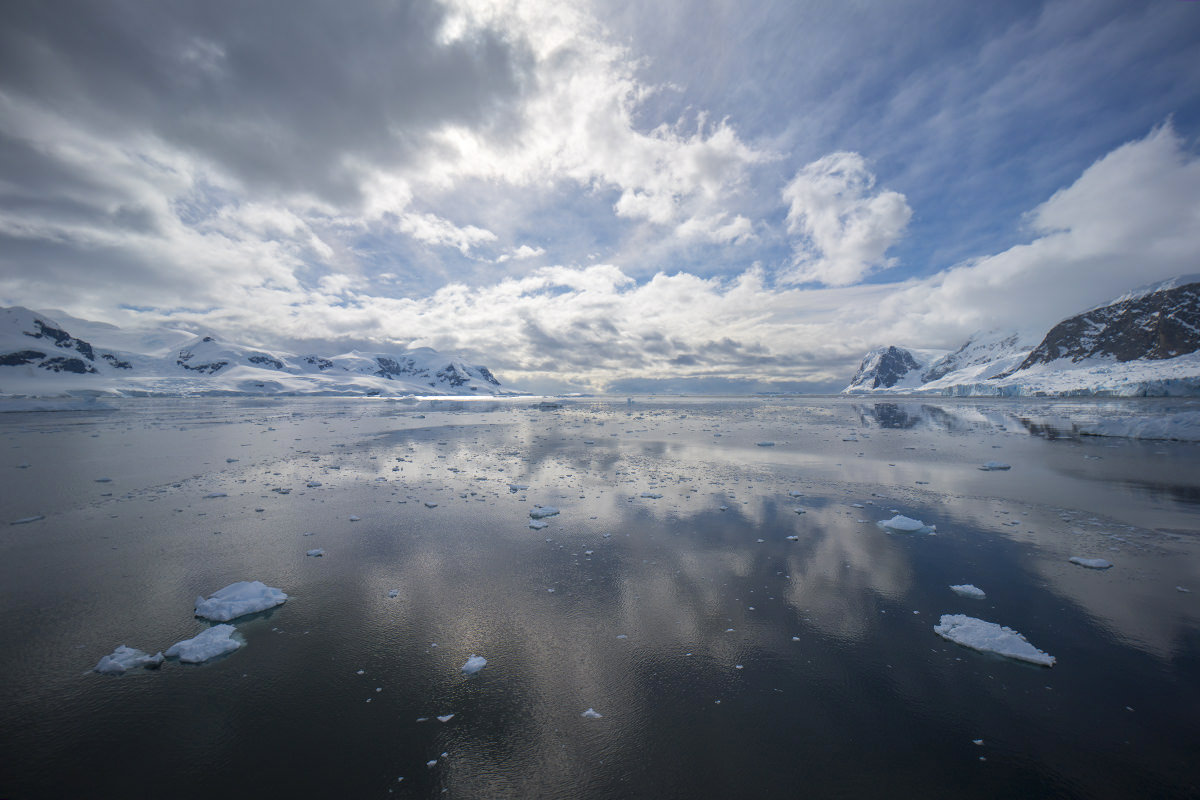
(538, 524)
(651, 495)
(591, 713)
(393, 592)
(239, 599)
(315, 553)
(765, 444)
(211, 495)
(969, 590)
(123, 658)
(216, 641)
(474, 664)
(1091, 563)
(27, 520)
(993, 466)
(988, 637)
(903, 524)
(540, 512)
(445, 718)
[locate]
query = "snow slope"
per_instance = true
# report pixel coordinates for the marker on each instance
(1143, 344)
(39, 357)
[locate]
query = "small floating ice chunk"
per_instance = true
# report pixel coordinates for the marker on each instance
(27, 520)
(1181, 589)
(988, 637)
(591, 713)
(474, 664)
(540, 512)
(723, 508)
(103, 480)
(765, 444)
(903, 524)
(211, 495)
(216, 641)
(445, 718)
(317, 553)
(239, 599)
(538, 524)
(313, 484)
(651, 495)
(354, 518)
(431, 763)
(793, 538)
(969, 590)
(993, 466)
(430, 504)
(1091, 563)
(517, 487)
(393, 592)
(123, 658)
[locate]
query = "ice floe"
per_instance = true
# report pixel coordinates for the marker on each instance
(239, 599)
(445, 718)
(27, 520)
(540, 512)
(591, 713)
(124, 658)
(538, 524)
(212, 495)
(988, 637)
(317, 553)
(993, 466)
(1090, 563)
(903, 524)
(969, 590)
(651, 495)
(216, 641)
(474, 664)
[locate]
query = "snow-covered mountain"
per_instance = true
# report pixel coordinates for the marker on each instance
(39, 356)
(1145, 343)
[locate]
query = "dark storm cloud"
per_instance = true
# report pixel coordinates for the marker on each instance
(280, 94)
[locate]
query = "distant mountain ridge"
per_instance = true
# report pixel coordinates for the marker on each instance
(1144, 343)
(40, 356)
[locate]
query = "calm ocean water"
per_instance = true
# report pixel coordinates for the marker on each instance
(715, 587)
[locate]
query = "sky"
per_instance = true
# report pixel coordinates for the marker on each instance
(685, 195)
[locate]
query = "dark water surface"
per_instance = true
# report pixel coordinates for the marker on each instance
(725, 659)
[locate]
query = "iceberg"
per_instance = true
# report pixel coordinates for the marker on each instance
(903, 524)
(969, 590)
(239, 599)
(1091, 563)
(988, 637)
(124, 658)
(474, 664)
(216, 641)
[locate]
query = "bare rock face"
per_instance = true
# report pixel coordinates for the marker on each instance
(1155, 326)
(882, 369)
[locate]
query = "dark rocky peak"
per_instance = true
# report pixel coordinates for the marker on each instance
(1153, 325)
(882, 369)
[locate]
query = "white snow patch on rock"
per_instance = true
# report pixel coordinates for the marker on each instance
(988, 637)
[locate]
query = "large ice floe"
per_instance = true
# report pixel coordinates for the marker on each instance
(216, 641)
(969, 590)
(239, 599)
(988, 637)
(903, 524)
(125, 658)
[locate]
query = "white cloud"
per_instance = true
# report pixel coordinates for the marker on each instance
(846, 228)
(1131, 218)
(432, 229)
(521, 253)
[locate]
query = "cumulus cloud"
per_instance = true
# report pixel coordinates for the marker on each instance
(1133, 217)
(845, 227)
